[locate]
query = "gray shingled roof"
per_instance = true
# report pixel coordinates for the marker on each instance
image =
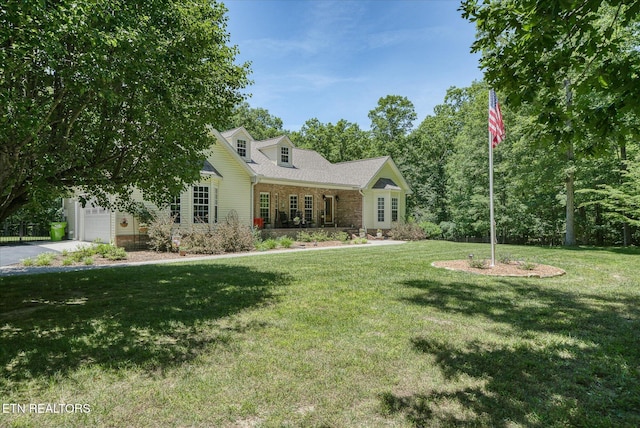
(386, 184)
(207, 167)
(310, 166)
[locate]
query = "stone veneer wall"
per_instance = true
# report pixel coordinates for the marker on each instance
(348, 206)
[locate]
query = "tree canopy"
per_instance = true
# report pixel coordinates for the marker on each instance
(103, 96)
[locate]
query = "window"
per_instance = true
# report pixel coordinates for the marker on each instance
(380, 209)
(200, 204)
(293, 206)
(308, 207)
(284, 155)
(175, 209)
(215, 205)
(394, 209)
(241, 146)
(264, 207)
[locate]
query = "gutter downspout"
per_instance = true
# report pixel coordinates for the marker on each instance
(362, 208)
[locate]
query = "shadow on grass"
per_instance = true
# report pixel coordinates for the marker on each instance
(151, 317)
(561, 358)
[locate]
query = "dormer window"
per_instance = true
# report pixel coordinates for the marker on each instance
(241, 147)
(284, 155)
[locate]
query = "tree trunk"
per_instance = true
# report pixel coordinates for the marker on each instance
(626, 228)
(570, 236)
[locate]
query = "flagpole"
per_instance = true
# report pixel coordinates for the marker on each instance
(491, 218)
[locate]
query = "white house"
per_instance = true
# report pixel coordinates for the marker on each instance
(267, 183)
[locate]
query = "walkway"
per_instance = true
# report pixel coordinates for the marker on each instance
(71, 245)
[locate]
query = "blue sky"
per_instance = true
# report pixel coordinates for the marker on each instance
(334, 60)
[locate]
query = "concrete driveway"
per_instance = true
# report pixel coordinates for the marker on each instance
(12, 254)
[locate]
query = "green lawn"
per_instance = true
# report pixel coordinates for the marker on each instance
(370, 337)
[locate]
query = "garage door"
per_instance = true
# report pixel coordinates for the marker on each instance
(97, 224)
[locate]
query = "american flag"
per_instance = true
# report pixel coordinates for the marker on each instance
(496, 125)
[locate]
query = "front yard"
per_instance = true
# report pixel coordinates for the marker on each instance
(348, 337)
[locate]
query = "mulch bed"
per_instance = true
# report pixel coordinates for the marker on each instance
(501, 269)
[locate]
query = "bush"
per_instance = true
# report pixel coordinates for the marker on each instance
(234, 236)
(431, 230)
(320, 236)
(269, 244)
(285, 242)
(160, 232)
(229, 236)
(201, 241)
(407, 231)
(525, 265)
(478, 263)
(44, 259)
(448, 230)
(341, 236)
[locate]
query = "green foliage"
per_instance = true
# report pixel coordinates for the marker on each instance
(525, 265)
(478, 263)
(317, 236)
(285, 242)
(268, 244)
(44, 259)
(103, 96)
(341, 236)
(431, 230)
(359, 241)
(391, 122)
(258, 121)
(342, 142)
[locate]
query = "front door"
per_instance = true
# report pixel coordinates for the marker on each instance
(328, 210)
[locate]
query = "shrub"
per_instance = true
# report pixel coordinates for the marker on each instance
(431, 230)
(505, 259)
(285, 242)
(28, 262)
(114, 253)
(407, 231)
(87, 261)
(448, 230)
(44, 259)
(478, 263)
(233, 235)
(319, 236)
(525, 265)
(200, 241)
(358, 241)
(341, 236)
(160, 232)
(269, 244)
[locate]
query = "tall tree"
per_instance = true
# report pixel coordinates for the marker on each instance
(391, 122)
(103, 96)
(342, 142)
(258, 121)
(534, 51)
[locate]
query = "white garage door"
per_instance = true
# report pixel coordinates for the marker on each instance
(97, 224)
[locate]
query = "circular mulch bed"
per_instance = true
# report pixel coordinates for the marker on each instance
(501, 269)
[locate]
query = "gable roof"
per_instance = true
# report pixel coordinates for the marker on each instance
(309, 166)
